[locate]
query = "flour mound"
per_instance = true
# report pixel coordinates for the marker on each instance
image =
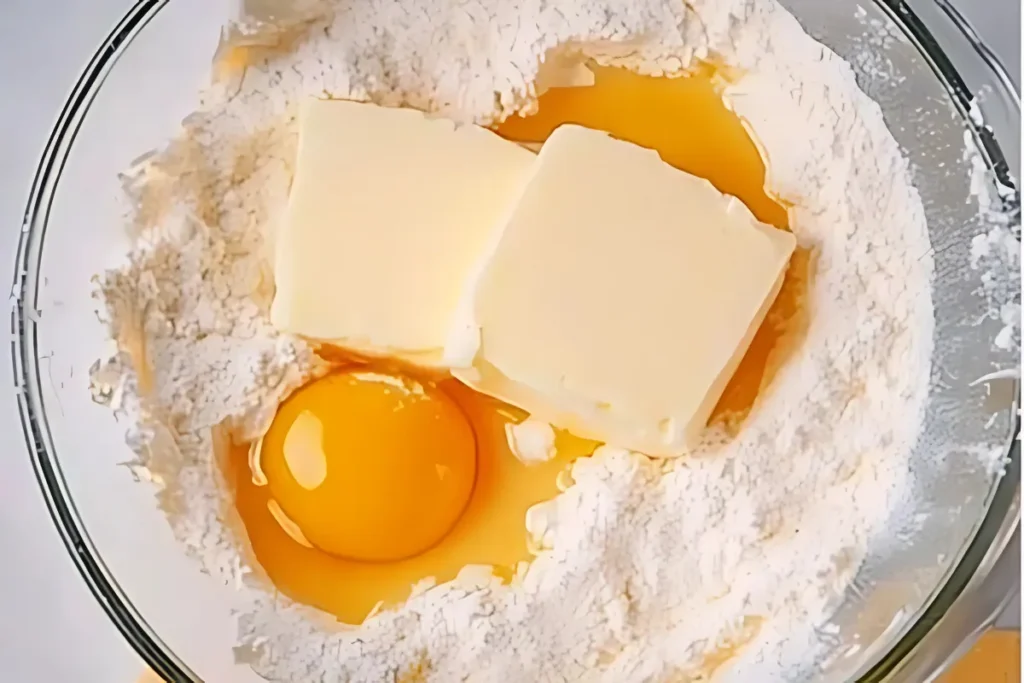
(653, 571)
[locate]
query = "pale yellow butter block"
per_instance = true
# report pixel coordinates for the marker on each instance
(389, 215)
(622, 295)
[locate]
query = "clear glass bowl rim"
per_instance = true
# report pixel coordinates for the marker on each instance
(999, 524)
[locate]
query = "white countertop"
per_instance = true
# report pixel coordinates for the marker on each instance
(51, 628)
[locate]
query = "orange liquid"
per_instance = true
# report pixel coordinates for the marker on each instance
(687, 122)
(683, 118)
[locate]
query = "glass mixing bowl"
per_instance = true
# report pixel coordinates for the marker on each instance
(919, 594)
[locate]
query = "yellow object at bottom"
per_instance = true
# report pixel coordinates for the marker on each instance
(995, 658)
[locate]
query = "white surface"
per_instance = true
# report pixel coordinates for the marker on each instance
(51, 629)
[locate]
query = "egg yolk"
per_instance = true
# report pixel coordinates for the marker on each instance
(489, 532)
(370, 466)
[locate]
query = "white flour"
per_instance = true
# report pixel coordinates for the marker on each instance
(653, 571)
(996, 251)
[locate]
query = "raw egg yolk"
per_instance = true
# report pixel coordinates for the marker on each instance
(370, 466)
